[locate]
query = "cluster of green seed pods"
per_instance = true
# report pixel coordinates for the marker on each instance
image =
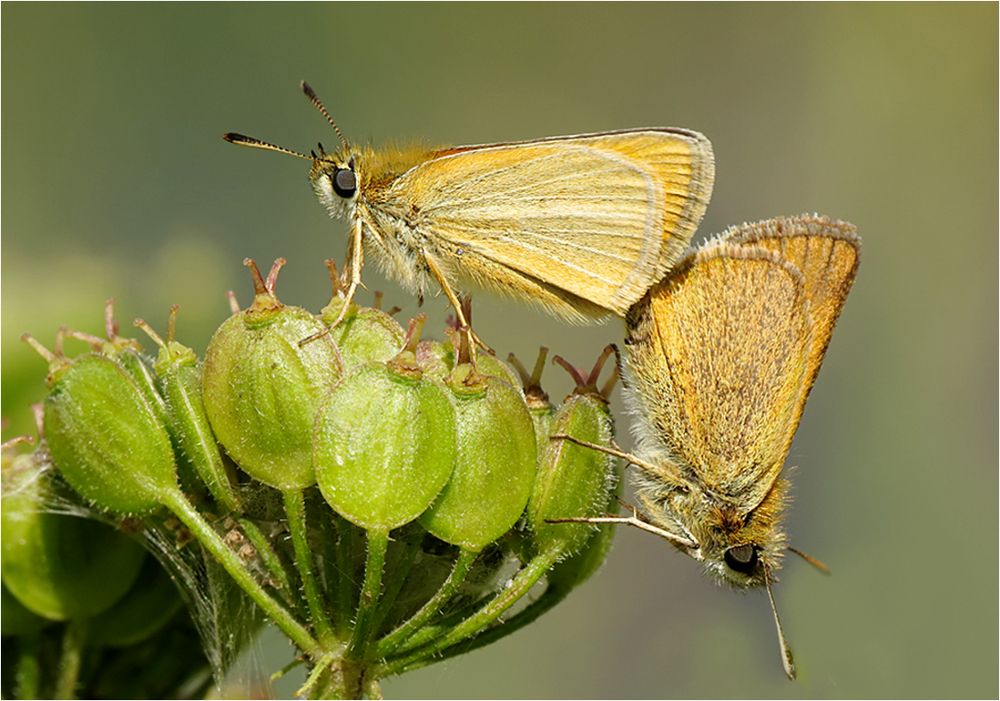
(74, 589)
(372, 492)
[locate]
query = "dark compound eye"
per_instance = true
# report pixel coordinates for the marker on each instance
(742, 558)
(345, 182)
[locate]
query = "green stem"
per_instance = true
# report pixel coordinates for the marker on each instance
(269, 557)
(432, 631)
(344, 557)
(70, 659)
(229, 560)
(28, 674)
(343, 681)
(295, 508)
(393, 640)
(305, 691)
(519, 586)
(398, 571)
(529, 614)
(286, 669)
(364, 621)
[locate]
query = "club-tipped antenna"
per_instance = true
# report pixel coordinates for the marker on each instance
(252, 142)
(786, 652)
(318, 104)
(814, 561)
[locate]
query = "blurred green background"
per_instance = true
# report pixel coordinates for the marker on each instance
(115, 182)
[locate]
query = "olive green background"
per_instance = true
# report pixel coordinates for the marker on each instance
(115, 182)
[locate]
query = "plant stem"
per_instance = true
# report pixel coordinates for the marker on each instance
(231, 562)
(295, 508)
(321, 667)
(344, 558)
(398, 570)
(459, 571)
(27, 683)
(268, 556)
(519, 586)
(70, 658)
(378, 543)
(529, 614)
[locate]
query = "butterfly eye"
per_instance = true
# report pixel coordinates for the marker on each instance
(742, 558)
(345, 182)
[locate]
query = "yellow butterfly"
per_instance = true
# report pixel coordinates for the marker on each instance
(721, 356)
(581, 225)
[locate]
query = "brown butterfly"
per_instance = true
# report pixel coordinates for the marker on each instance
(721, 356)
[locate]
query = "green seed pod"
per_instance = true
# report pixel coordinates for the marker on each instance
(576, 569)
(128, 353)
(573, 480)
(488, 364)
(104, 436)
(18, 619)
(146, 607)
(384, 444)
(539, 406)
(365, 334)
(495, 466)
(59, 567)
(180, 382)
(437, 360)
(263, 386)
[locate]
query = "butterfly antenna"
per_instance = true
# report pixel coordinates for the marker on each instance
(318, 104)
(814, 561)
(242, 140)
(786, 652)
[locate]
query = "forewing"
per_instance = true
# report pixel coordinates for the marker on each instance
(826, 252)
(600, 217)
(717, 353)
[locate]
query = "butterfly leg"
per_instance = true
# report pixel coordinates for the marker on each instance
(463, 322)
(633, 520)
(356, 260)
(664, 472)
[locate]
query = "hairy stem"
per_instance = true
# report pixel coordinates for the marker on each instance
(393, 640)
(474, 624)
(231, 562)
(528, 615)
(364, 622)
(392, 584)
(295, 509)
(344, 558)
(269, 557)
(70, 659)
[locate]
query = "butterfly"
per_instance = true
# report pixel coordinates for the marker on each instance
(580, 225)
(720, 358)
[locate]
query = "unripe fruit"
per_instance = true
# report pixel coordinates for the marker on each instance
(104, 437)
(151, 602)
(179, 380)
(60, 567)
(438, 360)
(365, 334)
(573, 480)
(128, 353)
(384, 443)
(537, 400)
(495, 464)
(262, 389)
(18, 619)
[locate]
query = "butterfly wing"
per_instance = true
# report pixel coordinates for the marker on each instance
(826, 252)
(588, 221)
(717, 356)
